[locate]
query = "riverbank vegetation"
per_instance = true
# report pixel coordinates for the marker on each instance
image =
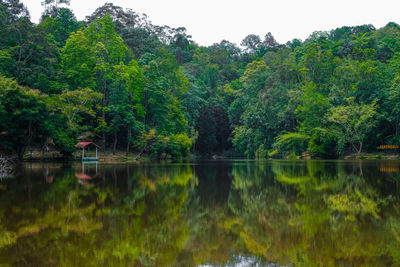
(131, 85)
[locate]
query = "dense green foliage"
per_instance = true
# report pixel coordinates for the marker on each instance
(333, 94)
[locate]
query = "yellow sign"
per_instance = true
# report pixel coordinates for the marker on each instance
(389, 147)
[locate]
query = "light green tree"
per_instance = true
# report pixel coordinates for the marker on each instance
(74, 105)
(78, 61)
(312, 107)
(354, 121)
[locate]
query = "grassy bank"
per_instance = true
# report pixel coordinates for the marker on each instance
(108, 156)
(387, 156)
(121, 157)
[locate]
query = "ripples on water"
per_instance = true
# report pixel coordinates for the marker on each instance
(237, 213)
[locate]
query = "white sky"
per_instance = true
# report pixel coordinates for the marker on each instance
(210, 21)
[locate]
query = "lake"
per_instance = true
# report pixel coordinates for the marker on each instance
(217, 213)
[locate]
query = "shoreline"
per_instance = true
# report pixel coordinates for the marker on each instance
(121, 157)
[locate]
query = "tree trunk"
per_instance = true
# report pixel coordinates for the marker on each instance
(140, 153)
(128, 137)
(103, 135)
(145, 109)
(115, 142)
(129, 131)
(360, 148)
(21, 148)
(104, 115)
(21, 152)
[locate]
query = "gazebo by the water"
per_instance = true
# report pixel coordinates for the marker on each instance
(86, 146)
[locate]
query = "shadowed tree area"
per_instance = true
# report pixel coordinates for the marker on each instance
(164, 96)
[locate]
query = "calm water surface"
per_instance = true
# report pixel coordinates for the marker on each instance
(236, 213)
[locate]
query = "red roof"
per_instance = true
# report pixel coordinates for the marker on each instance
(84, 144)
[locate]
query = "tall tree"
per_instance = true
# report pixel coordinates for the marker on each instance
(354, 121)
(109, 50)
(125, 105)
(61, 26)
(252, 42)
(16, 10)
(23, 116)
(52, 7)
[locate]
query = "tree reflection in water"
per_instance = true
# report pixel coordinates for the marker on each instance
(303, 213)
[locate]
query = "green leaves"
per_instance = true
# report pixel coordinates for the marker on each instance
(295, 143)
(76, 104)
(78, 61)
(109, 47)
(23, 115)
(255, 74)
(312, 108)
(233, 98)
(354, 121)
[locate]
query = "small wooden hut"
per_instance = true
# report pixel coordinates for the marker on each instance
(86, 146)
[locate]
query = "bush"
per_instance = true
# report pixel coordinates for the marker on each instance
(261, 152)
(323, 144)
(291, 144)
(174, 146)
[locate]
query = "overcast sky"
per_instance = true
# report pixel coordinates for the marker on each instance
(210, 21)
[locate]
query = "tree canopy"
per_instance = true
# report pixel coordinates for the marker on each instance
(126, 78)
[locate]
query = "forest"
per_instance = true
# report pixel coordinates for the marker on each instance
(152, 90)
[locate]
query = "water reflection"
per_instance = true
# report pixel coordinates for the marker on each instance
(292, 213)
(389, 166)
